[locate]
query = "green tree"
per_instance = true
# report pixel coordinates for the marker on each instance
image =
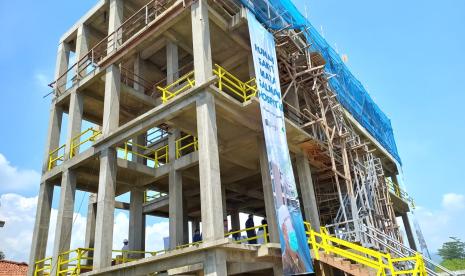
(2, 255)
(454, 249)
(454, 264)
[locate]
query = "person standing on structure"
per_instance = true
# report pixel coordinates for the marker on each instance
(250, 232)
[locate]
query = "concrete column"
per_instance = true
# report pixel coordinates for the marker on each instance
(41, 225)
(112, 98)
(278, 269)
(176, 213)
(82, 48)
(172, 61)
(138, 140)
(76, 107)
(65, 215)
(61, 67)
(223, 196)
(138, 73)
(235, 220)
(250, 64)
(408, 231)
(268, 193)
(209, 168)
(215, 263)
(136, 220)
(53, 134)
(116, 15)
(105, 209)
(308, 192)
(90, 225)
(201, 41)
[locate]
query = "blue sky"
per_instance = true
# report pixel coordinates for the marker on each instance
(408, 54)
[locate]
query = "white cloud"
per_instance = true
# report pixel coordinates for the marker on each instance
(440, 224)
(19, 213)
(453, 202)
(13, 179)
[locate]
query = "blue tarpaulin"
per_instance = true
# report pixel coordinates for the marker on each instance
(279, 14)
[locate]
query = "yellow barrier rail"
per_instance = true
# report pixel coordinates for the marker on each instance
(76, 141)
(56, 155)
(43, 267)
(150, 197)
(73, 262)
(230, 84)
(259, 238)
(402, 194)
(132, 255)
(227, 82)
(189, 141)
(182, 84)
(383, 263)
(161, 156)
(157, 156)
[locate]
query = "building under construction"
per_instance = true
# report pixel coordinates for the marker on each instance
(169, 90)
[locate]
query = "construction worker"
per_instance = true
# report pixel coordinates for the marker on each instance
(197, 236)
(251, 232)
(125, 250)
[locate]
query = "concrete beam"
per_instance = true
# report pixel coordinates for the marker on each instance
(53, 134)
(76, 109)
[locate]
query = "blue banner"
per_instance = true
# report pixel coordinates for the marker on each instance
(294, 247)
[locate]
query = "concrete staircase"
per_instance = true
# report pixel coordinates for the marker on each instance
(346, 265)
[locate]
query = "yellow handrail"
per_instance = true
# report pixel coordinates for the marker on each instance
(182, 84)
(229, 83)
(402, 194)
(59, 157)
(161, 156)
(43, 267)
(76, 141)
(256, 237)
(73, 265)
(193, 144)
(381, 262)
(127, 255)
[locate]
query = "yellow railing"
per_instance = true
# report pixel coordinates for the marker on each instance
(395, 188)
(43, 267)
(76, 141)
(132, 255)
(182, 84)
(230, 84)
(227, 82)
(383, 263)
(158, 156)
(161, 156)
(73, 262)
(189, 141)
(149, 197)
(56, 155)
(260, 238)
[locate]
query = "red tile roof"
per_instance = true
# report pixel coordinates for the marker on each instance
(11, 268)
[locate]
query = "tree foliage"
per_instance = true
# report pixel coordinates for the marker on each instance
(454, 264)
(2, 255)
(454, 249)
